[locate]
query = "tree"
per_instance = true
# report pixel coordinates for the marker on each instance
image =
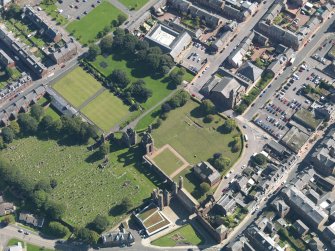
(87, 236)
(39, 198)
(103, 150)
(7, 135)
(55, 210)
(179, 99)
(37, 111)
(166, 107)
(205, 187)
(139, 91)
(126, 204)
(207, 107)
(56, 127)
(141, 55)
(27, 123)
(129, 43)
(57, 230)
(259, 159)
(93, 51)
(153, 61)
(53, 183)
(15, 127)
(13, 11)
(119, 78)
(221, 163)
(229, 125)
(121, 19)
(175, 79)
(43, 185)
(8, 219)
(155, 50)
(100, 223)
(2, 144)
(106, 44)
(142, 45)
(209, 118)
(45, 125)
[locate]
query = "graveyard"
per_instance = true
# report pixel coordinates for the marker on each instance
(85, 189)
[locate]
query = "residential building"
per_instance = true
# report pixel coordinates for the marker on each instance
(329, 234)
(236, 58)
(206, 17)
(117, 239)
(31, 220)
(323, 158)
(6, 208)
(300, 227)
(64, 53)
(45, 28)
(311, 214)
(207, 173)
(260, 241)
(22, 52)
(280, 207)
(17, 247)
(250, 71)
(6, 60)
(226, 204)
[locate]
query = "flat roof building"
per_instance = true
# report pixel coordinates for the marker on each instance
(170, 41)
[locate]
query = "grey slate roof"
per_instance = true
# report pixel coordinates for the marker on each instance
(250, 71)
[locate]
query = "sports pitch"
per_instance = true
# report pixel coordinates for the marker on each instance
(106, 111)
(77, 86)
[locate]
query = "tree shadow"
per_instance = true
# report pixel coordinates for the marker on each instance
(116, 210)
(94, 157)
(197, 113)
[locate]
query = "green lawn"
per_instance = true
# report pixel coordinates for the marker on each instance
(168, 162)
(185, 235)
(195, 140)
(159, 86)
(52, 113)
(52, 11)
(87, 28)
(77, 86)
(30, 247)
(107, 111)
(133, 4)
(85, 189)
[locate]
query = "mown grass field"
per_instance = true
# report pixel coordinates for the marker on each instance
(85, 189)
(106, 111)
(86, 29)
(159, 86)
(185, 235)
(168, 162)
(77, 86)
(133, 4)
(195, 140)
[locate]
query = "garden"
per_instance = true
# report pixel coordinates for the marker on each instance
(186, 235)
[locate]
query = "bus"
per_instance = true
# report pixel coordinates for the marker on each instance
(245, 138)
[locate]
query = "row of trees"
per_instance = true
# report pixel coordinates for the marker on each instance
(178, 100)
